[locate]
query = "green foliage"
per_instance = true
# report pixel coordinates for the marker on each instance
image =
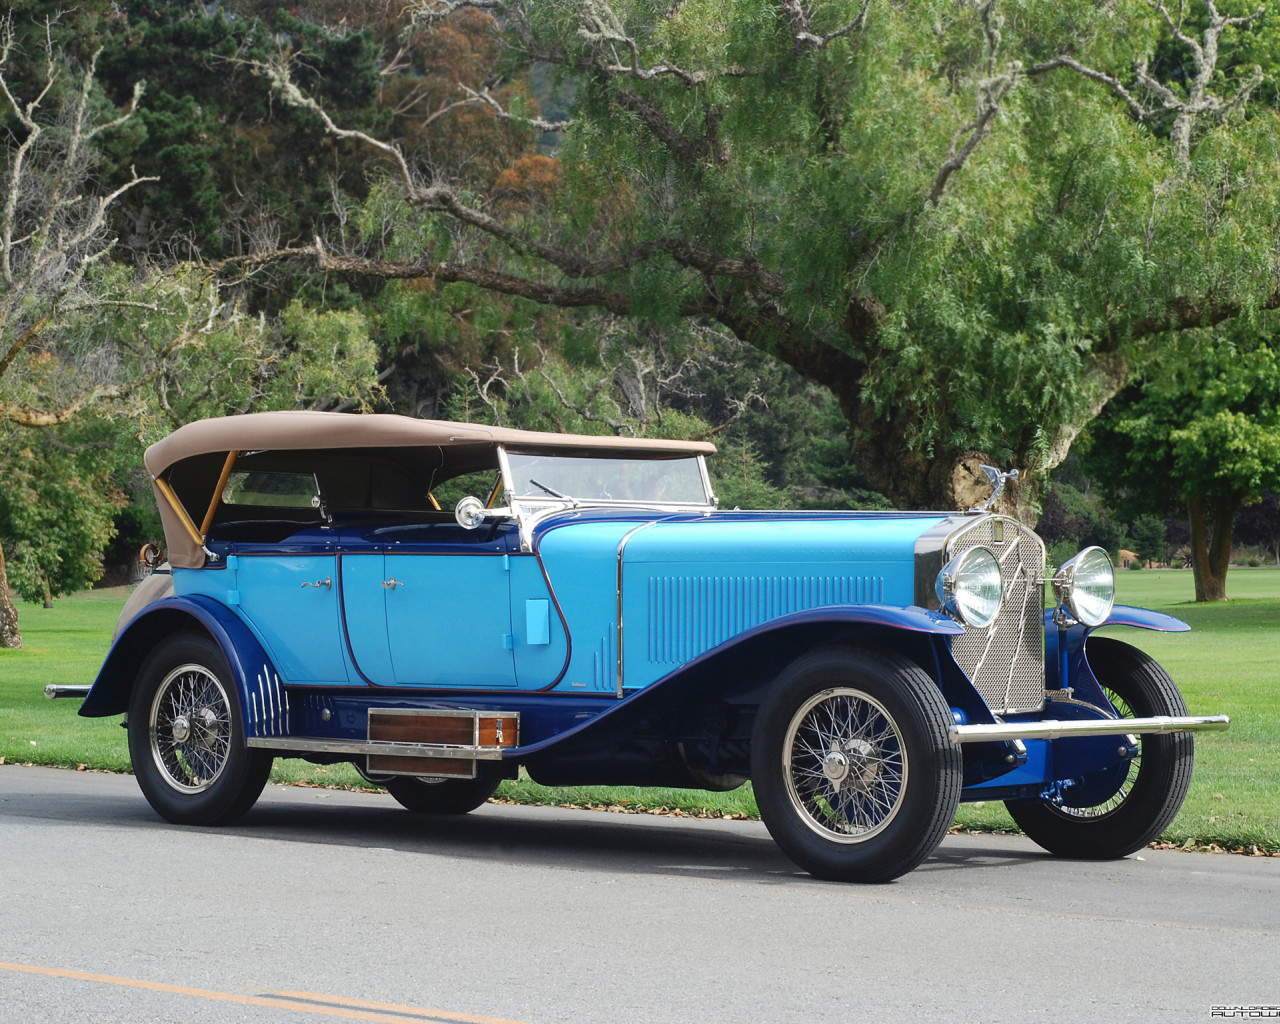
(56, 511)
(237, 172)
(739, 481)
(1072, 520)
(1203, 429)
(1148, 536)
(234, 362)
(1204, 425)
(954, 291)
(1060, 550)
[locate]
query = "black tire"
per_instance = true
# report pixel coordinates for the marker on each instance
(1144, 800)
(186, 736)
(440, 796)
(883, 796)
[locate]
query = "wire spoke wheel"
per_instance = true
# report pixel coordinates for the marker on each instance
(190, 728)
(853, 768)
(186, 736)
(846, 765)
(1122, 794)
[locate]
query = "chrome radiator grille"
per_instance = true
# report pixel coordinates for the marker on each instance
(1006, 660)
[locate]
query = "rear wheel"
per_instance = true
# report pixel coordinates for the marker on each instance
(186, 736)
(440, 796)
(1129, 806)
(854, 773)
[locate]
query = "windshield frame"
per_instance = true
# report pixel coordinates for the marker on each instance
(527, 509)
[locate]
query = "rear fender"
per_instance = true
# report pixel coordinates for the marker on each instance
(263, 703)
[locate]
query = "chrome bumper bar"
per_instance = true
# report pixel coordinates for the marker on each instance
(1053, 730)
(309, 745)
(54, 690)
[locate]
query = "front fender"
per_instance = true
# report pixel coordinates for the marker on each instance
(1144, 618)
(738, 670)
(262, 700)
(1074, 638)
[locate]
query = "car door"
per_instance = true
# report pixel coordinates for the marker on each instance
(429, 606)
(291, 598)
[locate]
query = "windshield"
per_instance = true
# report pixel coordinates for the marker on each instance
(675, 481)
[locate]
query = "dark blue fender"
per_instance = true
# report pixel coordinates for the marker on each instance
(1091, 759)
(1144, 618)
(738, 671)
(1076, 637)
(262, 699)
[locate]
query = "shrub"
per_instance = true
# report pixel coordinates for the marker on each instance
(1060, 550)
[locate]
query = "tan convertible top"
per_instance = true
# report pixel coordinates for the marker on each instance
(298, 431)
(335, 431)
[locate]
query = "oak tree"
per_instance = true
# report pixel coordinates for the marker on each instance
(970, 221)
(1202, 431)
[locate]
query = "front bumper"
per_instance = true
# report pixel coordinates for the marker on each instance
(1051, 730)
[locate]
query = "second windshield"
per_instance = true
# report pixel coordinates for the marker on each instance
(674, 481)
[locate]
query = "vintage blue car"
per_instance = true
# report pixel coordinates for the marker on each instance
(443, 604)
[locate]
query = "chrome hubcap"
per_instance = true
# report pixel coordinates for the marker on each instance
(835, 766)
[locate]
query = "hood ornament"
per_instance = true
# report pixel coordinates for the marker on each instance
(997, 480)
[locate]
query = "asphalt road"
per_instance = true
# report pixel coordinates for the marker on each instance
(325, 906)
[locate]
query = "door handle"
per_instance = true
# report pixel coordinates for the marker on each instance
(392, 583)
(326, 583)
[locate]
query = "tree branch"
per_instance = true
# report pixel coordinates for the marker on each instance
(1136, 110)
(801, 30)
(991, 93)
(486, 97)
(27, 416)
(448, 273)
(278, 75)
(1199, 102)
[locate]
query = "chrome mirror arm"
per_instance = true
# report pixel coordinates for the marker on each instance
(471, 513)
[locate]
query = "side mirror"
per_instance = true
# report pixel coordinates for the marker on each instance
(471, 513)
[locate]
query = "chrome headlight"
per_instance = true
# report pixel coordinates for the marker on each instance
(1085, 586)
(970, 589)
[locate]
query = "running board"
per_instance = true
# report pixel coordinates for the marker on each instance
(1052, 730)
(318, 745)
(411, 741)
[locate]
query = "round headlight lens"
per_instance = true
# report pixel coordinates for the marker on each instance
(1086, 586)
(970, 588)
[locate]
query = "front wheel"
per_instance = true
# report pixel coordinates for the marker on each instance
(854, 773)
(1136, 802)
(440, 796)
(186, 736)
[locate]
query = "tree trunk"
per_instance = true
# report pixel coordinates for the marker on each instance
(48, 595)
(10, 636)
(1211, 556)
(944, 482)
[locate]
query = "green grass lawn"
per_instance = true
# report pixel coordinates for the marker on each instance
(1228, 664)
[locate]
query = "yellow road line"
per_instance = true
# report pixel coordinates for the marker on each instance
(467, 1018)
(327, 1006)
